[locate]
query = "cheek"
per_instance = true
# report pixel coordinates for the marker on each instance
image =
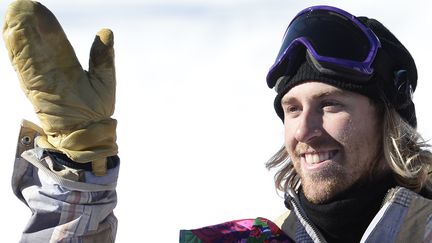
(340, 129)
(358, 137)
(370, 140)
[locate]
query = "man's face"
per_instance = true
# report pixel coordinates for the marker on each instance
(333, 137)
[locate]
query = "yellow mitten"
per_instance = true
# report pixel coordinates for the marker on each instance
(73, 105)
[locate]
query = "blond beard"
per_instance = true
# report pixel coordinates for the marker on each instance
(321, 191)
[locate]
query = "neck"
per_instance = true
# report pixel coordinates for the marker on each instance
(345, 218)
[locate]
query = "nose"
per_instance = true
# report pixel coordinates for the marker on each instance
(309, 126)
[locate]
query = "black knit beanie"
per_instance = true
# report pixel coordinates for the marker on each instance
(393, 82)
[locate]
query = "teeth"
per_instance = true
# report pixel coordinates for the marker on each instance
(313, 158)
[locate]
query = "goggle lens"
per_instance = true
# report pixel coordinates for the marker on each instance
(330, 34)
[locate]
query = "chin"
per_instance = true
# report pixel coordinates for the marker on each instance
(322, 191)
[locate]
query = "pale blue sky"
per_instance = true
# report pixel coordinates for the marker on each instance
(196, 122)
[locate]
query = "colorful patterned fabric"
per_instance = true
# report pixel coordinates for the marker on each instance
(241, 231)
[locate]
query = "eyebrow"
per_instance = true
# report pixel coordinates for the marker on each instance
(337, 92)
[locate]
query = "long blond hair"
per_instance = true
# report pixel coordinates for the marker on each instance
(405, 151)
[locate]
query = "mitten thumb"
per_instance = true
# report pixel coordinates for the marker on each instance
(102, 67)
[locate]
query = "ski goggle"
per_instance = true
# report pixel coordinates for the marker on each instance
(336, 42)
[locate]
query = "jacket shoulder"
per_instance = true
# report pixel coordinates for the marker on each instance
(287, 222)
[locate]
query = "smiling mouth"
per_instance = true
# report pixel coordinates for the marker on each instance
(318, 157)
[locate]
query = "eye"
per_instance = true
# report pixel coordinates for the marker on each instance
(292, 109)
(331, 105)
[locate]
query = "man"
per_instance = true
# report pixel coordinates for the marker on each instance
(353, 167)
(66, 171)
(344, 89)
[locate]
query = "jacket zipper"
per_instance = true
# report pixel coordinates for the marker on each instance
(303, 218)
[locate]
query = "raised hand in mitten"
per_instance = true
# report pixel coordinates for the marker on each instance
(74, 106)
